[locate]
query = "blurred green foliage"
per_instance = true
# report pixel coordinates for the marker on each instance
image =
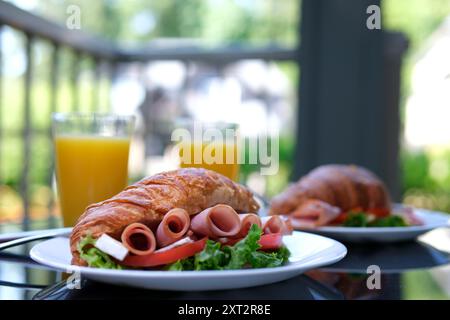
(419, 285)
(426, 180)
(416, 165)
(11, 124)
(209, 22)
(212, 21)
(417, 19)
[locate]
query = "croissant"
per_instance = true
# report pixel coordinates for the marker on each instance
(147, 201)
(341, 187)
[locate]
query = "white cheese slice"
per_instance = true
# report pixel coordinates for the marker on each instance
(112, 247)
(176, 244)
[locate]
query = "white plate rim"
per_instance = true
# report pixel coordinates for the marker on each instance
(311, 263)
(375, 230)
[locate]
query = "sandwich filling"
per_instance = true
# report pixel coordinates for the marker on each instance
(218, 238)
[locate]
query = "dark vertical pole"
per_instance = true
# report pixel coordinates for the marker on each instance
(54, 77)
(342, 114)
(308, 31)
(26, 133)
(75, 77)
(395, 46)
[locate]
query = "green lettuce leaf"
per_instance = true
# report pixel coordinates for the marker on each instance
(390, 221)
(180, 265)
(260, 259)
(356, 219)
(94, 257)
(243, 254)
(360, 219)
(211, 258)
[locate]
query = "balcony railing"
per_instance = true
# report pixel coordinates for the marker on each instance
(102, 53)
(349, 85)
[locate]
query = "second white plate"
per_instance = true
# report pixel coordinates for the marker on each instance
(431, 219)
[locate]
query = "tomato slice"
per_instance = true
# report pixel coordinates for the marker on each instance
(340, 218)
(379, 212)
(271, 241)
(165, 257)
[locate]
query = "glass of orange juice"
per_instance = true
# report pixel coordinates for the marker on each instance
(210, 145)
(91, 159)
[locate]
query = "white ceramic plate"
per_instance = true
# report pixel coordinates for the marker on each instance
(308, 251)
(431, 219)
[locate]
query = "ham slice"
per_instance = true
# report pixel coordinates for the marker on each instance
(173, 227)
(216, 222)
(287, 225)
(302, 223)
(247, 220)
(410, 217)
(314, 213)
(138, 239)
(276, 224)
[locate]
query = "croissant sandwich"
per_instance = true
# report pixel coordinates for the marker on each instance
(337, 194)
(166, 217)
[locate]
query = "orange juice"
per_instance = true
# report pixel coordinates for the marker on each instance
(197, 157)
(89, 169)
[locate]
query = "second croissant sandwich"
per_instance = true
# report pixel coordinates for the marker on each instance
(338, 195)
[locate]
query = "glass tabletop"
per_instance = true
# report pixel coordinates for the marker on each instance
(410, 270)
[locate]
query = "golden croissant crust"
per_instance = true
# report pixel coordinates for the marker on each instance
(148, 200)
(344, 186)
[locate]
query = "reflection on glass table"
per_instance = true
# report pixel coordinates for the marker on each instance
(21, 278)
(411, 270)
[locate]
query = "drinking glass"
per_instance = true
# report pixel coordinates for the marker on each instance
(91, 153)
(209, 145)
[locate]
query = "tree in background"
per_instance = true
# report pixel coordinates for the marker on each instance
(418, 19)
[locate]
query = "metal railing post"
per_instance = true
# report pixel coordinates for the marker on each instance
(74, 81)
(95, 98)
(26, 131)
(54, 78)
(113, 70)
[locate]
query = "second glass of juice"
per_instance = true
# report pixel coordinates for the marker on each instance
(91, 159)
(223, 147)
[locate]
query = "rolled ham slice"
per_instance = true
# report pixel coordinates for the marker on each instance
(299, 224)
(138, 239)
(411, 218)
(287, 225)
(314, 213)
(276, 224)
(216, 222)
(247, 220)
(173, 227)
